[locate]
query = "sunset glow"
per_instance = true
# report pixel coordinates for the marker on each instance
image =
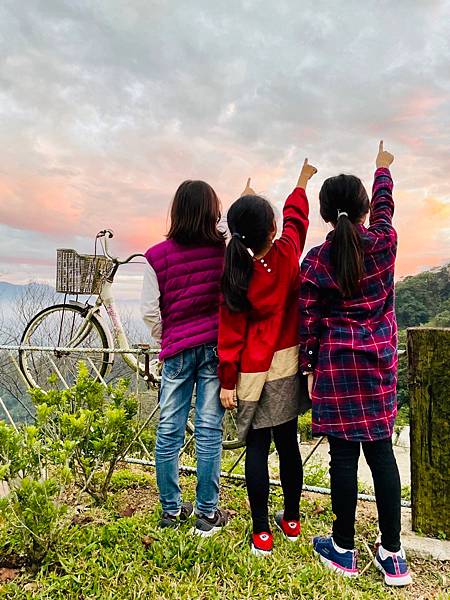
(106, 109)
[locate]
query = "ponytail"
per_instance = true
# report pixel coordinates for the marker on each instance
(344, 203)
(250, 220)
(236, 276)
(347, 256)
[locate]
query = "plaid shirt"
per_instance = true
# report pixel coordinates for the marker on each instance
(351, 343)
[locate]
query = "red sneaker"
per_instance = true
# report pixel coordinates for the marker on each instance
(262, 543)
(291, 529)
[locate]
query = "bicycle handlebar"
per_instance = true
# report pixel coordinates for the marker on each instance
(104, 232)
(104, 236)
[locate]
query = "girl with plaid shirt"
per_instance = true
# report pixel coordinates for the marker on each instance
(348, 336)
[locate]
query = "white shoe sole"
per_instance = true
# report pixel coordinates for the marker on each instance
(333, 567)
(398, 580)
(209, 533)
(258, 552)
(291, 539)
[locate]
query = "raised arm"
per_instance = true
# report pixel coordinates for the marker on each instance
(296, 210)
(382, 204)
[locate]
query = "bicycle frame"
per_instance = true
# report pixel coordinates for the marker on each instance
(119, 338)
(106, 298)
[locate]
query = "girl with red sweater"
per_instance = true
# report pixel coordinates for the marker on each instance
(258, 348)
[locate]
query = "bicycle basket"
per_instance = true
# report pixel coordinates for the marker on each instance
(80, 273)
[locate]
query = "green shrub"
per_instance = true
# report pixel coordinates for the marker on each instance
(316, 474)
(32, 518)
(87, 429)
(21, 452)
(406, 492)
(30, 514)
(126, 479)
(305, 427)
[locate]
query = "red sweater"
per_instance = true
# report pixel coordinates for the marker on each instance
(262, 344)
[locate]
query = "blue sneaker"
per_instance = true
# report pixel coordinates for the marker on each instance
(394, 567)
(341, 562)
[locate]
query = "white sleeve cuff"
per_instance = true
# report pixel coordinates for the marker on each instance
(150, 309)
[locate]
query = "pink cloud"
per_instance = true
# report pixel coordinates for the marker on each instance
(39, 204)
(421, 105)
(79, 205)
(56, 206)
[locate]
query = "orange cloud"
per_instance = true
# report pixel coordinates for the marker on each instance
(57, 205)
(39, 204)
(424, 232)
(135, 204)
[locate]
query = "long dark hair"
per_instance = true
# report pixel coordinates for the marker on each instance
(345, 193)
(250, 221)
(194, 215)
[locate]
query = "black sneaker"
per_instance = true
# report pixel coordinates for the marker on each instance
(208, 526)
(168, 520)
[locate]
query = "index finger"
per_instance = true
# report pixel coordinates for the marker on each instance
(248, 182)
(305, 162)
(380, 147)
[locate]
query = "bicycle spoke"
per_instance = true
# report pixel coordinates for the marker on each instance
(188, 443)
(55, 327)
(237, 461)
(96, 371)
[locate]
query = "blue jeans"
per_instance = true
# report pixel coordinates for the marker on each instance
(195, 366)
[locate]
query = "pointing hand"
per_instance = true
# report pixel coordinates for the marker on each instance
(248, 191)
(384, 158)
(306, 173)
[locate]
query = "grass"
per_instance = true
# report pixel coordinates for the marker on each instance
(107, 555)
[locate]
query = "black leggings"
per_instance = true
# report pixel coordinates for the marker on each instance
(344, 489)
(257, 472)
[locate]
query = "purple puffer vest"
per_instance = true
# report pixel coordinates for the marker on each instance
(189, 283)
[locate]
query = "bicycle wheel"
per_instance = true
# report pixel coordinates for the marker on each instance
(56, 326)
(230, 439)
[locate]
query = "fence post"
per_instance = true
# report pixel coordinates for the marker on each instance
(429, 385)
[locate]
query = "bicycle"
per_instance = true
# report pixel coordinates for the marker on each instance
(49, 344)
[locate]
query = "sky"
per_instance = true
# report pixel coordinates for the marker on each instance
(106, 106)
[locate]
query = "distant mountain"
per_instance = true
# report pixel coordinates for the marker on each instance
(11, 291)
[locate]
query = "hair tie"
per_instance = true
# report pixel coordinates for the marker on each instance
(342, 213)
(235, 234)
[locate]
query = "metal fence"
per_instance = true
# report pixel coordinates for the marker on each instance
(10, 370)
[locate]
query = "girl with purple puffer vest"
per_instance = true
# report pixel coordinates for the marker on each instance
(180, 305)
